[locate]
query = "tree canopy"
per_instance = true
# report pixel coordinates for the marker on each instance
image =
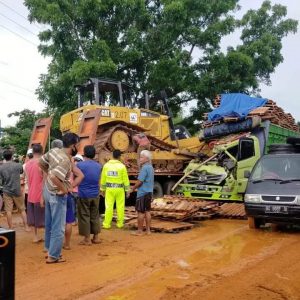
(158, 44)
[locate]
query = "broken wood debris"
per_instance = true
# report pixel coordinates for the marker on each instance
(232, 211)
(158, 225)
(169, 212)
(181, 208)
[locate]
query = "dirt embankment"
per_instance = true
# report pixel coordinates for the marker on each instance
(221, 259)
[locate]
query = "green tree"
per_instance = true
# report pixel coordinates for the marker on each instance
(18, 136)
(153, 44)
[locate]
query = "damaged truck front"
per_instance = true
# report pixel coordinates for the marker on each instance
(237, 146)
(223, 176)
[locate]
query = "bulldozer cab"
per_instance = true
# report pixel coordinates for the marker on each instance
(104, 92)
(107, 92)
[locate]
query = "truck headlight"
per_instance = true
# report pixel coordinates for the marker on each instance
(252, 198)
(298, 199)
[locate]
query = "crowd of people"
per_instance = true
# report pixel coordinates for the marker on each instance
(62, 189)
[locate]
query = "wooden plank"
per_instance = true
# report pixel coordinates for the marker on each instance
(232, 210)
(231, 119)
(259, 111)
(164, 226)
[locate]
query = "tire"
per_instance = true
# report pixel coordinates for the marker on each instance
(274, 227)
(253, 223)
(278, 227)
(157, 190)
(168, 187)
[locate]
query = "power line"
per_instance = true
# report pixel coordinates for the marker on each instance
(18, 24)
(4, 4)
(17, 86)
(17, 34)
(16, 92)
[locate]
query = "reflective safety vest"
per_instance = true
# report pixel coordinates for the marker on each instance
(114, 175)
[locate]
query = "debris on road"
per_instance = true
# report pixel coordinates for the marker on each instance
(232, 211)
(158, 225)
(169, 212)
(181, 208)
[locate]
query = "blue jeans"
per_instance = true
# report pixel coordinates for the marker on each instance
(75, 199)
(55, 221)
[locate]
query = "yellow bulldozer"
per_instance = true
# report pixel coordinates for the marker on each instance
(107, 119)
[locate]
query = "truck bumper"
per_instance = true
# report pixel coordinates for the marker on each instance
(262, 211)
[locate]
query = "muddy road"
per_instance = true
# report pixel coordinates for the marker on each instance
(220, 259)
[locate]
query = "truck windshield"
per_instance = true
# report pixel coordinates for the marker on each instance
(285, 168)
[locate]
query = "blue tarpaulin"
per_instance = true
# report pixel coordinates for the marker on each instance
(235, 105)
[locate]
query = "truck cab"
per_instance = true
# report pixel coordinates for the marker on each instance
(273, 190)
(223, 178)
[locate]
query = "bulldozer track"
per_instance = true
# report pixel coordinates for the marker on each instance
(102, 145)
(102, 140)
(158, 144)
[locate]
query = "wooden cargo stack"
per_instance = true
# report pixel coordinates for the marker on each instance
(270, 111)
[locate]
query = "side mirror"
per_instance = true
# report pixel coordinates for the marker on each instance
(247, 174)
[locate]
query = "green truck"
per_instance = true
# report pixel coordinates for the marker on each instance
(224, 175)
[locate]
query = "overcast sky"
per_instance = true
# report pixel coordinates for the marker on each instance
(21, 64)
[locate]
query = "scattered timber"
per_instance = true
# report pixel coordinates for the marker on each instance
(173, 213)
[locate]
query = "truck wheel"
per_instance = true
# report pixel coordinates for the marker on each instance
(274, 227)
(253, 223)
(278, 227)
(157, 190)
(168, 187)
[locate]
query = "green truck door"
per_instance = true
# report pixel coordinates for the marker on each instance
(248, 155)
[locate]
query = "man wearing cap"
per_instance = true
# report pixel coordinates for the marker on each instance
(114, 184)
(78, 158)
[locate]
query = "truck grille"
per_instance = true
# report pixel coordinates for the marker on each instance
(198, 178)
(279, 198)
(201, 195)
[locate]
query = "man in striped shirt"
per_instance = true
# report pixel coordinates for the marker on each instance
(57, 164)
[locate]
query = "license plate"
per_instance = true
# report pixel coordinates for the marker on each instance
(201, 187)
(276, 209)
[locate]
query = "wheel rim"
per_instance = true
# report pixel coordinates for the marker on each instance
(119, 140)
